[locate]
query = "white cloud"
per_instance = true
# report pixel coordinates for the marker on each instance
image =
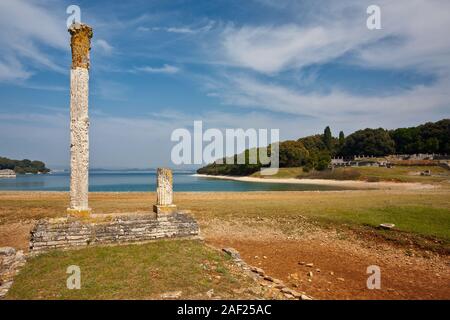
(164, 69)
(182, 30)
(176, 30)
(419, 26)
(335, 105)
(270, 49)
(104, 46)
(12, 70)
(24, 27)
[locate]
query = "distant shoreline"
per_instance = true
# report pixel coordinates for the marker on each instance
(327, 182)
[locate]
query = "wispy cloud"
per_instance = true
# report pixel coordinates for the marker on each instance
(24, 28)
(419, 43)
(104, 46)
(333, 106)
(12, 70)
(174, 30)
(164, 69)
(182, 30)
(270, 49)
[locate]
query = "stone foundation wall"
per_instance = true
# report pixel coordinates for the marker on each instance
(67, 232)
(10, 263)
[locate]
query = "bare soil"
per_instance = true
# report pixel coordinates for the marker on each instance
(339, 263)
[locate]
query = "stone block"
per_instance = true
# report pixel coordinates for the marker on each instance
(75, 213)
(164, 209)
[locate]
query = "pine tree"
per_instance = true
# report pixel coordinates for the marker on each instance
(327, 138)
(341, 138)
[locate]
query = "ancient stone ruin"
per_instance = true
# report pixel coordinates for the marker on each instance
(10, 263)
(62, 233)
(164, 192)
(81, 227)
(80, 43)
(110, 229)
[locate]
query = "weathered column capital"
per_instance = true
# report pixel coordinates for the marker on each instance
(80, 43)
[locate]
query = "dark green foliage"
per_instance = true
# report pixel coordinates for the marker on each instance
(292, 154)
(427, 138)
(313, 142)
(233, 169)
(327, 138)
(341, 139)
(317, 143)
(23, 166)
(318, 160)
(373, 142)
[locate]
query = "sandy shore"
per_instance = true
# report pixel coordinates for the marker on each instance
(328, 182)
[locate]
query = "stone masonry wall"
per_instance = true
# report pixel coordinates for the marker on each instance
(66, 232)
(10, 263)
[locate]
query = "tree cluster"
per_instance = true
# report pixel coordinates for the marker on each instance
(315, 152)
(23, 166)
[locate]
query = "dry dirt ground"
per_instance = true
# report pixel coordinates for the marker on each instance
(339, 258)
(339, 262)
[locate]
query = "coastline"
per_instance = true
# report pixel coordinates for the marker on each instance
(327, 182)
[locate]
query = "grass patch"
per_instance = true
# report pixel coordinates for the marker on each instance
(429, 222)
(282, 173)
(372, 174)
(405, 174)
(336, 174)
(129, 272)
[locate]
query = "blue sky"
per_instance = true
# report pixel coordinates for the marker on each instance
(293, 65)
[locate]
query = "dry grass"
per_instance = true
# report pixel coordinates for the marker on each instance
(425, 212)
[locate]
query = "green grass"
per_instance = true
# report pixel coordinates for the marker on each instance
(406, 174)
(396, 173)
(282, 173)
(128, 272)
(430, 222)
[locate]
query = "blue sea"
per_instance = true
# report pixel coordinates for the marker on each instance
(136, 181)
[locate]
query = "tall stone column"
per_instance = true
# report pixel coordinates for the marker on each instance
(164, 192)
(80, 43)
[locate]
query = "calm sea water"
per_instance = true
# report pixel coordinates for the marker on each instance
(116, 181)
